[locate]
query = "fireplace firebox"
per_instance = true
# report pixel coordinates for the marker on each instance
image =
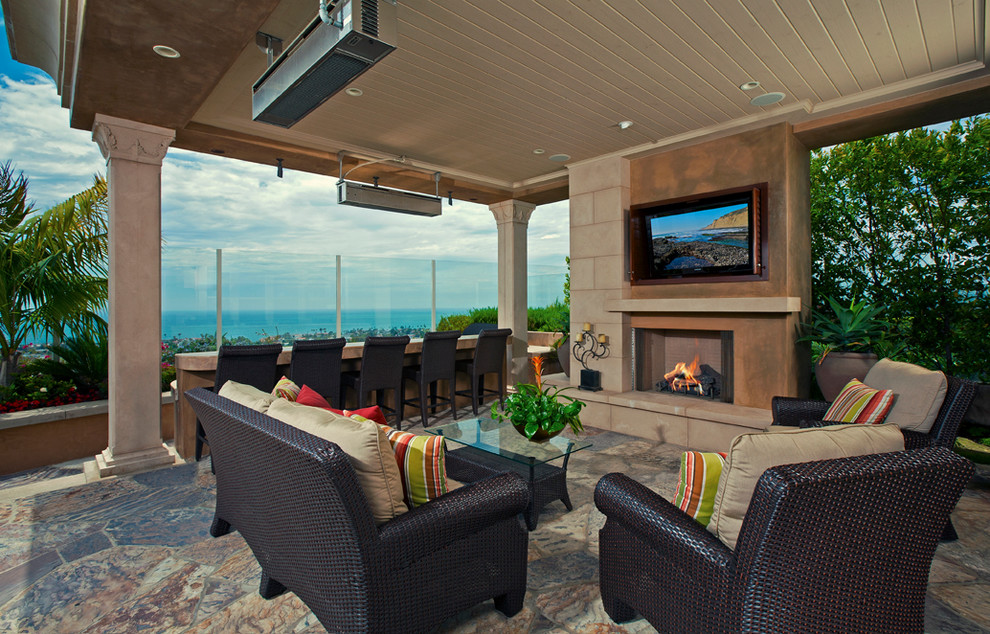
(692, 363)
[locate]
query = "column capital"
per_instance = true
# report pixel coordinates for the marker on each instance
(130, 140)
(517, 211)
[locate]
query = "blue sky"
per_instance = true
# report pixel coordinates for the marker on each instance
(288, 229)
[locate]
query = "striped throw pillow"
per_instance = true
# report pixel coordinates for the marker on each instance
(860, 403)
(698, 484)
(286, 389)
(421, 463)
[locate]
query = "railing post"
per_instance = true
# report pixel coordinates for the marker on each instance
(338, 299)
(219, 298)
(433, 299)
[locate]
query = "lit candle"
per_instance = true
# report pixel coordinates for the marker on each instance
(587, 327)
(601, 338)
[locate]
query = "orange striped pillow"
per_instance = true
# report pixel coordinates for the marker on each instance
(698, 484)
(422, 465)
(860, 403)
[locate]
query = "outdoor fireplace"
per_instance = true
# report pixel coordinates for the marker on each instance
(693, 363)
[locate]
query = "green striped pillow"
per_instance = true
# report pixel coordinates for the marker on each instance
(698, 484)
(422, 465)
(860, 403)
(286, 389)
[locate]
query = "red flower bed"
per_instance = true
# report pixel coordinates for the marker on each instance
(74, 396)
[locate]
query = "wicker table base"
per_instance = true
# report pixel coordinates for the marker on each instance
(546, 482)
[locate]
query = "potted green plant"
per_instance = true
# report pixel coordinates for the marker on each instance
(845, 343)
(536, 412)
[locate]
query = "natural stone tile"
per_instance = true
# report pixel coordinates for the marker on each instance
(99, 499)
(241, 567)
(579, 609)
(92, 543)
(216, 595)
(75, 595)
(6, 512)
(309, 624)
(213, 550)
(22, 542)
(484, 618)
(253, 614)
(971, 601)
(173, 527)
(19, 577)
(169, 604)
(948, 572)
(179, 475)
(567, 568)
(939, 619)
(563, 535)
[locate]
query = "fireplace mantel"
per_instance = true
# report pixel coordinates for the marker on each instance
(707, 305)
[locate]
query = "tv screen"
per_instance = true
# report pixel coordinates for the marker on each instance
(713, 235)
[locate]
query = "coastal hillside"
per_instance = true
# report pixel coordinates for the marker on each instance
(736, 218)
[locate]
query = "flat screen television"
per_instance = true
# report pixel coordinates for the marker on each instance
(711, 237)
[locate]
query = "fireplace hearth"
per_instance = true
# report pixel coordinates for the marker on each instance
(689, 363)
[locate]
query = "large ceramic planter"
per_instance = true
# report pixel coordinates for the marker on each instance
(838, 368)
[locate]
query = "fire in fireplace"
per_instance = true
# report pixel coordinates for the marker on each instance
(692, 378)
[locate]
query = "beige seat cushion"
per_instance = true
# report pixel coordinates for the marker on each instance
(247, 395)
(752, 454)
(919, 393)
(365, 444)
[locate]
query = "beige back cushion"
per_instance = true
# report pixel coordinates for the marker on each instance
(919, 393)
(752, 454)
(247, 395)
(365, 444)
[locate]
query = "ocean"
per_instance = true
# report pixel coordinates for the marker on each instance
(255, 324)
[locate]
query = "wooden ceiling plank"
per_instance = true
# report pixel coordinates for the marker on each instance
(910, 43)
(964, 18)
(638, 47)
(794, 49)
(809, 27)
(940, 37)
(846, 37)
(871, 22)
(565, 78)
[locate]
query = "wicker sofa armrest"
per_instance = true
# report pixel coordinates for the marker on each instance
(791, 411)
(453, 516)
(661, 524)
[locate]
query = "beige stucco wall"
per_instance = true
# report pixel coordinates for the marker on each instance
(768, 361)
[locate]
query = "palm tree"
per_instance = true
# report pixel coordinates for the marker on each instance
(53, 266)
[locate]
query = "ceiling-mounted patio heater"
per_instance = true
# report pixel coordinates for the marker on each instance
(338, 45)
(384, 198)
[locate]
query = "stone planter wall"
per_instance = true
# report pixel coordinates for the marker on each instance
(51, 435)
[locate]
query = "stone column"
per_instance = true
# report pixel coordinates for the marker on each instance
(512, 218)
(599, 197)
(134, 153)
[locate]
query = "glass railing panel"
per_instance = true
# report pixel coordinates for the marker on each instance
(278, 297)
(189, 293)
(462, 286)
(384, 297)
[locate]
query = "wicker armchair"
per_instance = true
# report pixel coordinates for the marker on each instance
(296, 501)
(832, 546)
(959, 394)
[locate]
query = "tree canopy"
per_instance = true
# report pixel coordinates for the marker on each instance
(53, 265)
(903, 220)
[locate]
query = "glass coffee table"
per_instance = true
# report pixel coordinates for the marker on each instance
(491, 447)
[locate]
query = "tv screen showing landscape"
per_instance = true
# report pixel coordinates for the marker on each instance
(716, 239)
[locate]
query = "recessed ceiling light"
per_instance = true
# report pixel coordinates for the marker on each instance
(559, 158)
(218, 151)
(165, 51)
(768, 99)
(749, 85)
(539, 150)
(624, 125)
(354, 92)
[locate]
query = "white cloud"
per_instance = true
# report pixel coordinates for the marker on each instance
(211, 202)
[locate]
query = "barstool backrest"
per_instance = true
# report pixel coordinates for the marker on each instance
(489, 355)
(439, 352)
(255, 365)
(381, 362)
(316, 364)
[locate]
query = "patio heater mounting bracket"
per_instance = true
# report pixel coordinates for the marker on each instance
(377, 197)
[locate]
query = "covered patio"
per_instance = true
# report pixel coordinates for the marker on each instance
(133, 554)
(611, 106)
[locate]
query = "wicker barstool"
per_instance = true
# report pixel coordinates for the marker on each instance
(437, 363)
(381, 369)
(316, 363)
(489, 358)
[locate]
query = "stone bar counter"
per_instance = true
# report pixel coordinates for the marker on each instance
(197, 369)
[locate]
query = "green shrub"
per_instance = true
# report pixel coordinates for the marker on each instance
(487, 315)
(454, 322)
(85, 362)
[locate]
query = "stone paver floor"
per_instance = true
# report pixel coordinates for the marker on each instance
(134, 554)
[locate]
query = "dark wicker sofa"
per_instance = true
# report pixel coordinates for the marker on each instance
(296, 501)
(839, 545)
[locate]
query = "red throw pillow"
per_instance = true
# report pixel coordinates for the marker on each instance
(371, 413)
(309, 396)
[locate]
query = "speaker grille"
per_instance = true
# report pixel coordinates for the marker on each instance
(369, 17)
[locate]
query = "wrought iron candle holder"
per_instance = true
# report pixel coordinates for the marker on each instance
(586, 348)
